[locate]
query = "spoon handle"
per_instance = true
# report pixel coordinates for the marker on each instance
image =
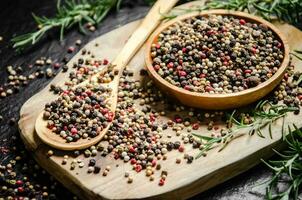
(139, 36)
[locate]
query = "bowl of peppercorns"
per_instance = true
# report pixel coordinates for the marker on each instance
(217, 59)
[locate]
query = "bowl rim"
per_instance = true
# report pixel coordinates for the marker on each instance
(237, 14)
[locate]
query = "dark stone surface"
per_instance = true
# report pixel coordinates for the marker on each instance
(15, 19)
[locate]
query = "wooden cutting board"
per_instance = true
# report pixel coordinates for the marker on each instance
(184, 180)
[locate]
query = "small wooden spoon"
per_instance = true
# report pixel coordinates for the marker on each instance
(136, 40)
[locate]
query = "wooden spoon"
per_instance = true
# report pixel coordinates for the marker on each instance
(136, 40)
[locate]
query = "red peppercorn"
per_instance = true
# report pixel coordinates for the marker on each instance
(211, 32)
(156, 67)
(187, 87)
(152, 118)
(88, 92)
(247, 71)
(157, 46)
(154, 163)
(195, 126)
(66, 92)
(70, 49)
(254, 50)
(202, 75)
(86, 70)
(104, 111)
(170, 65)
(130, 131)
(20, 189)
(184, 50)
(182, 73)
(178, 119)
(105, 62)
(19, 182)
(50, 126)
(242, 21)
(116, 156)
(161, 182)
(73, 131)
(131, 149)
(138, 168)
(181, 148)
(56, 65)
(132, 161)
(300, 97)
(286, 76)
(208, 88)
(109, 116)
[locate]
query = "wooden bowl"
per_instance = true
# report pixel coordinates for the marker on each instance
(218, 101)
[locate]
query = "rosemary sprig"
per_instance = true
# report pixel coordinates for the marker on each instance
(297, 54)
(286, 10)
(263, 115)
(71, 13)
(288, 169)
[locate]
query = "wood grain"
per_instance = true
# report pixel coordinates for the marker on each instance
(218, 101)
(184, 180)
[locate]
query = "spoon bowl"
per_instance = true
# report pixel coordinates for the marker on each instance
(218, 101)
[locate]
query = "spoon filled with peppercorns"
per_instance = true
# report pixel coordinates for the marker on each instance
(82, 114)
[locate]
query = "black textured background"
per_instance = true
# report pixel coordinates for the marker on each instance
(15, 19)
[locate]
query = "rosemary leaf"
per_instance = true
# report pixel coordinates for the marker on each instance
(70, 13)
(289, 11)
(289, 165)
(265, 114)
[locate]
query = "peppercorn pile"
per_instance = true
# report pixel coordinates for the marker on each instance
(216, 54)
(79, 113)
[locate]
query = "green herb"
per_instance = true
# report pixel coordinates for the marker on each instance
(71, 13)
(286, 10)
(297, 54)
(263, 115)
(288, 169)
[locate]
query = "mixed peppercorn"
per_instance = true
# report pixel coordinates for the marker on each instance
(138, 134)
(79, 113)
(216, 54)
